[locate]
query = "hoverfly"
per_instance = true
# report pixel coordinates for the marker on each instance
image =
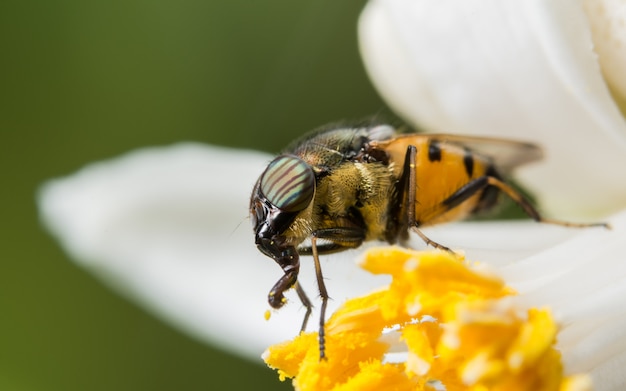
(342, 186)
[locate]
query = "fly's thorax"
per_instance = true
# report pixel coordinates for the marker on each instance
(338, 191)
(377, 197)
(330, 146)
(355, 194)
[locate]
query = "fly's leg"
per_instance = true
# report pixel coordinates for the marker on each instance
(408, 189)
(323, 297)
(306, 303)
(527, 206)
(340, 238)
(430, 242)
(480, 183)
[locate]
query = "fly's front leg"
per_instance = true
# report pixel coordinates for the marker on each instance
(340, 238)
(408, 189)
(323, 296)
(304, 299)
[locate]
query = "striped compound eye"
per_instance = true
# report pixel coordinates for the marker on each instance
(288, 183)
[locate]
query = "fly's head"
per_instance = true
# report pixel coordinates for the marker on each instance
(284, 190)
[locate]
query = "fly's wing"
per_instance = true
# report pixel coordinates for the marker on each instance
(505, 154)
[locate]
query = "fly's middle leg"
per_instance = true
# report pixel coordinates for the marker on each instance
(407, 191)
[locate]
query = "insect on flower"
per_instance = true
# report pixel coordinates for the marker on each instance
(339, 186)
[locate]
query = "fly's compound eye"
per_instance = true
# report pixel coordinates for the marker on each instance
(288, 183)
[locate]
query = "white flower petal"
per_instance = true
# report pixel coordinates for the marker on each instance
(523, 70)
(607, 19)
(583, 280)
(497, 243)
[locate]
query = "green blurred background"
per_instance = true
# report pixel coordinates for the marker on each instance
(82, 81)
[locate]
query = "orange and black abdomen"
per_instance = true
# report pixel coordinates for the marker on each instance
(442, 169)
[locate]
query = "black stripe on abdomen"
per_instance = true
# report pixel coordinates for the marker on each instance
(468, 162)
(434, 151)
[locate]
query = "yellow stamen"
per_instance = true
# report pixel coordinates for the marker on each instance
(458, 326)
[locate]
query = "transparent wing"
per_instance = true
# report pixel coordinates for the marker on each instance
(506, 154)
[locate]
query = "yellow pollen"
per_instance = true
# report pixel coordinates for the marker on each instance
(456, 325)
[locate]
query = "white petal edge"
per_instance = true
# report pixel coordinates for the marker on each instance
(583, 280)
(607, 19)
(168, 228)
(523, 70)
